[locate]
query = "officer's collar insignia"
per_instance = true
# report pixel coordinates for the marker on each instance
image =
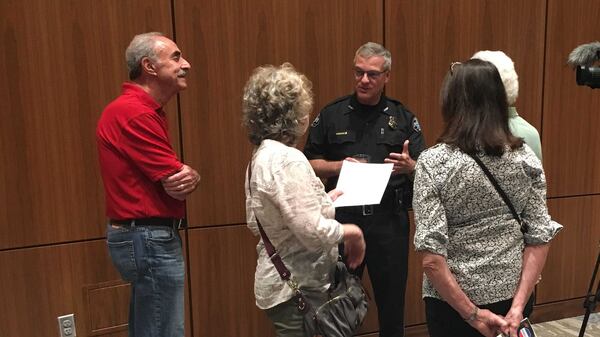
(386, 109)
(416, 125)
(316, 121)
(393, 123)
(350, 107)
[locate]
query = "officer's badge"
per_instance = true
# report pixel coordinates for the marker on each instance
(316, 121)
(393, 123)
(415, 124)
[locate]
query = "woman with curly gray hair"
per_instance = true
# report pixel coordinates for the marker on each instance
(284, 193)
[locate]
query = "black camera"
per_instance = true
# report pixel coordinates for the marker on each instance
(589, 76)
(582, 58)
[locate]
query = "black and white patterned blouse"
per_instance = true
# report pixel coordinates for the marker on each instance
(460, 216)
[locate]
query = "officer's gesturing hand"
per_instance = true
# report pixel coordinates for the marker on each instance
(403, 163)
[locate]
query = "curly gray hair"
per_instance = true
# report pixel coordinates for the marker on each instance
(275, 99)
(141, 46)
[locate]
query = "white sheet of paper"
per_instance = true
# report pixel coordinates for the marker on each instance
(362, 184)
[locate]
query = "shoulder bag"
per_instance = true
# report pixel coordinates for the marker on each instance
(500, 191)
(339, 311)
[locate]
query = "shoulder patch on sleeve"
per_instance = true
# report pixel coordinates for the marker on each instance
(415, 124)
(316, 121)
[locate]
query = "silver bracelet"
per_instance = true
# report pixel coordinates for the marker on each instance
(473, 315)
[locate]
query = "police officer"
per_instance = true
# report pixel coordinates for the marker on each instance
(368, 122)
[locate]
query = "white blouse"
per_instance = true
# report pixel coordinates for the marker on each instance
(297, 216)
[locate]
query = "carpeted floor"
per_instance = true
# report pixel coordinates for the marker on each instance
(569, 327)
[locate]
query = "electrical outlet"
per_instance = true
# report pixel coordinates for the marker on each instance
(66, 326)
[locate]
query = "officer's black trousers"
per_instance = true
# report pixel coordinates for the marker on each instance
(386, 236)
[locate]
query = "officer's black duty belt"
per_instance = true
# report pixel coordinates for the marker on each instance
(168, 222)
(367, 210)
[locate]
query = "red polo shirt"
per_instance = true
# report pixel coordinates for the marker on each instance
(135, 154)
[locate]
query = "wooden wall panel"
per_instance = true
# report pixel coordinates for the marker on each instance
(222, 262)
(571, 114)
(79, 278)
(416, 331)
(43, 283)
(371, 323)
(224, 41)
(559, 310)
(222, 265)
(62, 62)
(106, 305)
(414, 308)
(425, 36)
(572, 255)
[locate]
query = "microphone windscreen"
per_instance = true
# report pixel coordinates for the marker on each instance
(585, 55)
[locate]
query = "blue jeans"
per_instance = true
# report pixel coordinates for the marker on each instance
(150, 258)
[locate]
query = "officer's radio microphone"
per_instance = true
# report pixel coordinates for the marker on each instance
(581, 59)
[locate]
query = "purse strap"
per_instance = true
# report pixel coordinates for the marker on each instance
(283, 271)
(271, 251)
(500, 191)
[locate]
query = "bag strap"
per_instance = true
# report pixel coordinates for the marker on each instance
(500, 191)
(271, 251)
(284, 273)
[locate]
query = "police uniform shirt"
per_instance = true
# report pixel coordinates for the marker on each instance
(346, 127)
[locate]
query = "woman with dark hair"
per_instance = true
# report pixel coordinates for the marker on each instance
(480, 264)
(284, 193)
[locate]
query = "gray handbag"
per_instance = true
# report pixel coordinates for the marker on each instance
(339, 311)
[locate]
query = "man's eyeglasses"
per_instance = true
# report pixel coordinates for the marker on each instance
(371, 74)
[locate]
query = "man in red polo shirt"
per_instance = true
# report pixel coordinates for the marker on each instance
(146, 185)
